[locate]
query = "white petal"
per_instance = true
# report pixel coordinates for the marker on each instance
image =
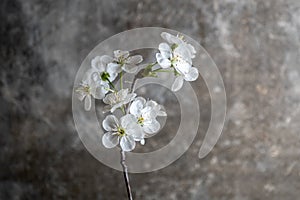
(136, 132)
(128, 121)
(80, 96)
(113, 68)
(110, 99)
(116, 106)
(142, 142)
(171, 38)
(127, 143)
(129, 98)
(88, 102)
(110, 123)
(80, 92)
(122, 93)
(177, 84)
(110, 140)
(192, 75)
(106, 59)
(120, 53)
(87, 76)
(149, 112)
(97, 64)
(165, 50)
(163, 62)
(135, 59)
(162, 113)
(151, 127)
(183, 52)
(99, 92)
(192, 50)
(95, 77)
(137, 106)
(182, 66)
(130, 68)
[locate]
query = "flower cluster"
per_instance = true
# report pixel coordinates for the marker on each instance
(177, 54)
(139, 115)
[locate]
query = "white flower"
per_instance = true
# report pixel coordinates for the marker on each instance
(122, 61)
(103, 69)
(118, 99)
(145, 114)
(177, 40)
(88, 89)
(179, 58)
(125, 132)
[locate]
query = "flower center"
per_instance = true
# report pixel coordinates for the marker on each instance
(104, 76)
(141, 121)
(121, 132)
(121, 60)
(87, 89)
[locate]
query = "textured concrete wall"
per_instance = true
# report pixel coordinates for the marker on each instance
(255, 44)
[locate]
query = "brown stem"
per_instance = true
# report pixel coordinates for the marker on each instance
(126, 177)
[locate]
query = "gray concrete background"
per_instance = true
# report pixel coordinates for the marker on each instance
(255, 44)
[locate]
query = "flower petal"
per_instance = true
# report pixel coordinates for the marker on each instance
(135, 59)
(128, 121)
(182, 66)
(161, 113)
(165, 50)
(130, 68)
(129, 98)
(122, 93)
(183, 52)
(171, 38)
(148, 112)
(106, 59)
(97, 64)
(192, 50)
(116, 106)
(151, 127)
(136, 106)
(88, 102)
(192, 75)
(127, 143)
(110, 99)
(87, 76)
(143, 142)
(110, 123)
(113, 68)
(110, 140)
(80, 92)
(99, 92)
(163, 62)
(120, 53)
(177, 84)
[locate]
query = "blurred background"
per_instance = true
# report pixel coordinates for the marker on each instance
(255, 44)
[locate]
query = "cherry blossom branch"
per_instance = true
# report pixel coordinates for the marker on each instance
(125, 173)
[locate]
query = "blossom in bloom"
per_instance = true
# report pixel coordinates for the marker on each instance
(180, 59)
(88, 89)
(145, 113)
(118, 99)
(177, 40)
(124, 132)
(103, 69)
(122, 61)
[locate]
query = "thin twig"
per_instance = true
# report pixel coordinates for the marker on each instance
(126, 177)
